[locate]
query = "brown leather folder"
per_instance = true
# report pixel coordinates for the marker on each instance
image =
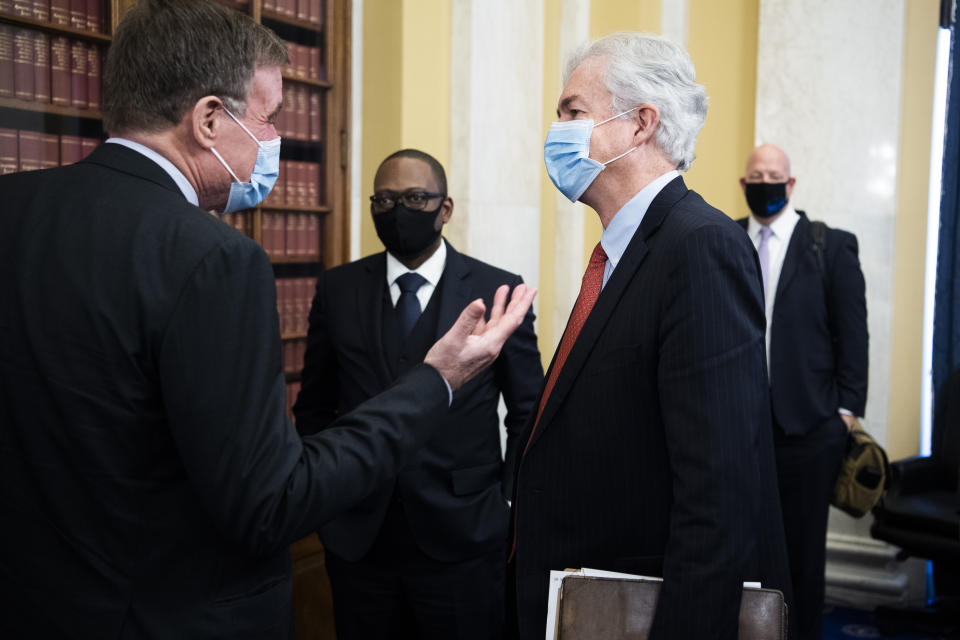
(622, 609)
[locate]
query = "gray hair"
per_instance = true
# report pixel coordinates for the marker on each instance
(643, 67)
(167, 54)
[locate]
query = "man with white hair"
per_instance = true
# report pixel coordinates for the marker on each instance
(651, 450)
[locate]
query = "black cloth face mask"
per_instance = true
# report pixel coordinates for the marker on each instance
(766, 199)
(406, 232)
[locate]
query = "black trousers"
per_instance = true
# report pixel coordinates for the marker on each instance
(397, 592)
(807, 468)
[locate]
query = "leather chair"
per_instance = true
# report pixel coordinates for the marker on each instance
(920, 513)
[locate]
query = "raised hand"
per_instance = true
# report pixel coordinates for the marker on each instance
(472, 343)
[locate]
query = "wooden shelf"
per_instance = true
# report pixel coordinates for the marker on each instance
(273, 15)
(293, 336)
(320, 84)
(295, 259)
(55, 29)
(45, 107)
(296, 208)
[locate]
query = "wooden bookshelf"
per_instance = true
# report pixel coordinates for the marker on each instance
(330, 36)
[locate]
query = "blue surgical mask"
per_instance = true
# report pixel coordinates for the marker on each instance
(245, 195)
(566, 153)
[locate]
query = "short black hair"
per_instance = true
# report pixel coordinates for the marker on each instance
(439, 175)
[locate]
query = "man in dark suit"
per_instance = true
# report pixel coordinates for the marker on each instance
(817, 349)
(651, 450)
(423, 557)
(149, 481)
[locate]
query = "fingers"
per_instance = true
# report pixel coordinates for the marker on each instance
(470, 318)
(499, 303)
(513, 317)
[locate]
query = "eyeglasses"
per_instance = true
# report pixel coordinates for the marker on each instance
(412, 199)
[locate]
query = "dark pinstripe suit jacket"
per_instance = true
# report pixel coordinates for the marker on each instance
(654, 452)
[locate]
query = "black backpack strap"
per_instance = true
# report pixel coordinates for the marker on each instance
(819, 232)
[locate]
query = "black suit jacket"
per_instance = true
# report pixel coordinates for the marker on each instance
(149, 481)
(654, 453)
(451, 492)
(818, 335)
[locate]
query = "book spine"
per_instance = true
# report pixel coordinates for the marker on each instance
(313, 62)
(93, 76)
(302, 61)
(313, 235)
(49, 151)
(78, 74)
(41, 67)
(290, 239)
(7, 57)
(41, 10)
(316, 11)
(303, 10)
(9, 156)
(78, 14)
(23, 64)
(287, 69)
(316, 131)
(6, 7)
(71, 150)
(60, 71)
(60, 12)
(313, 184)
(270, 5)
(30, 149)
(94, 16)
(23, 8)
(303, 241)
(277, 194)
(303, 113)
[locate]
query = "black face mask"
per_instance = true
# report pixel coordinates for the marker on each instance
(406, 232)
(766, 199)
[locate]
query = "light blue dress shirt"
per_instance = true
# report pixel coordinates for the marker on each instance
(188, 191)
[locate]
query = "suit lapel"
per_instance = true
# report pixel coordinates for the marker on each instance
(454, 290)
(370, 311)
(606, 303)
(799, 242)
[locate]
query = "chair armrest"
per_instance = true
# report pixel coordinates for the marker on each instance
(913, 475)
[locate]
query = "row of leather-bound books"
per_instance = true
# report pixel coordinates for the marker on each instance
(309, 11)
(294, 296)
(297, 186)
(31, 150)
(305, 62)
(290, 234)
(38, 67)
(83, 15)
(301, 116)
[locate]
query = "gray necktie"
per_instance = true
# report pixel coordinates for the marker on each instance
(763, 252)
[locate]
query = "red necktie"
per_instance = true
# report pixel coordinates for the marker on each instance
(589, 291)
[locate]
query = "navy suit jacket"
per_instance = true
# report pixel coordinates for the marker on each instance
(452, 493)
(818, 335)
(149, 480)
(654, 453)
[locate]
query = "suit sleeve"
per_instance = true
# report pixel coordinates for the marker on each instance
(316, 405)
(224, 394)
(519, 375)
(848, 325)
(714, 400)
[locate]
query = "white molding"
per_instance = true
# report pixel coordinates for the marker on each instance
(356, 127)
(674, 20)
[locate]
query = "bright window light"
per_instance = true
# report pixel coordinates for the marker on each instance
(933, 234)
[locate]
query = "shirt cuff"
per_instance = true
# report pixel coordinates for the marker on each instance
(449, 392)
(841, 410)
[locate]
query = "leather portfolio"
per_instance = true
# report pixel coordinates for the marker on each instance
(622, 609)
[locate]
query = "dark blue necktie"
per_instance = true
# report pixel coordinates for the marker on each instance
(408, 306)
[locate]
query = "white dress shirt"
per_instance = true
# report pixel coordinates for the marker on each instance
(181, 180)
(431, 270)
(777, 243)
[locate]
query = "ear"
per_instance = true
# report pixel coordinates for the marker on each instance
(646, 119)
(447, 210)
(205, 123)
(743, 184)
(792, 181)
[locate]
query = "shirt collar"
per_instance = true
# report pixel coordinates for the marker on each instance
(782, 227)
(181, 180)
(624, 225)
(431, 269)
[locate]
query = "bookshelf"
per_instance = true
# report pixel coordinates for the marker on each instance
(51, 56)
